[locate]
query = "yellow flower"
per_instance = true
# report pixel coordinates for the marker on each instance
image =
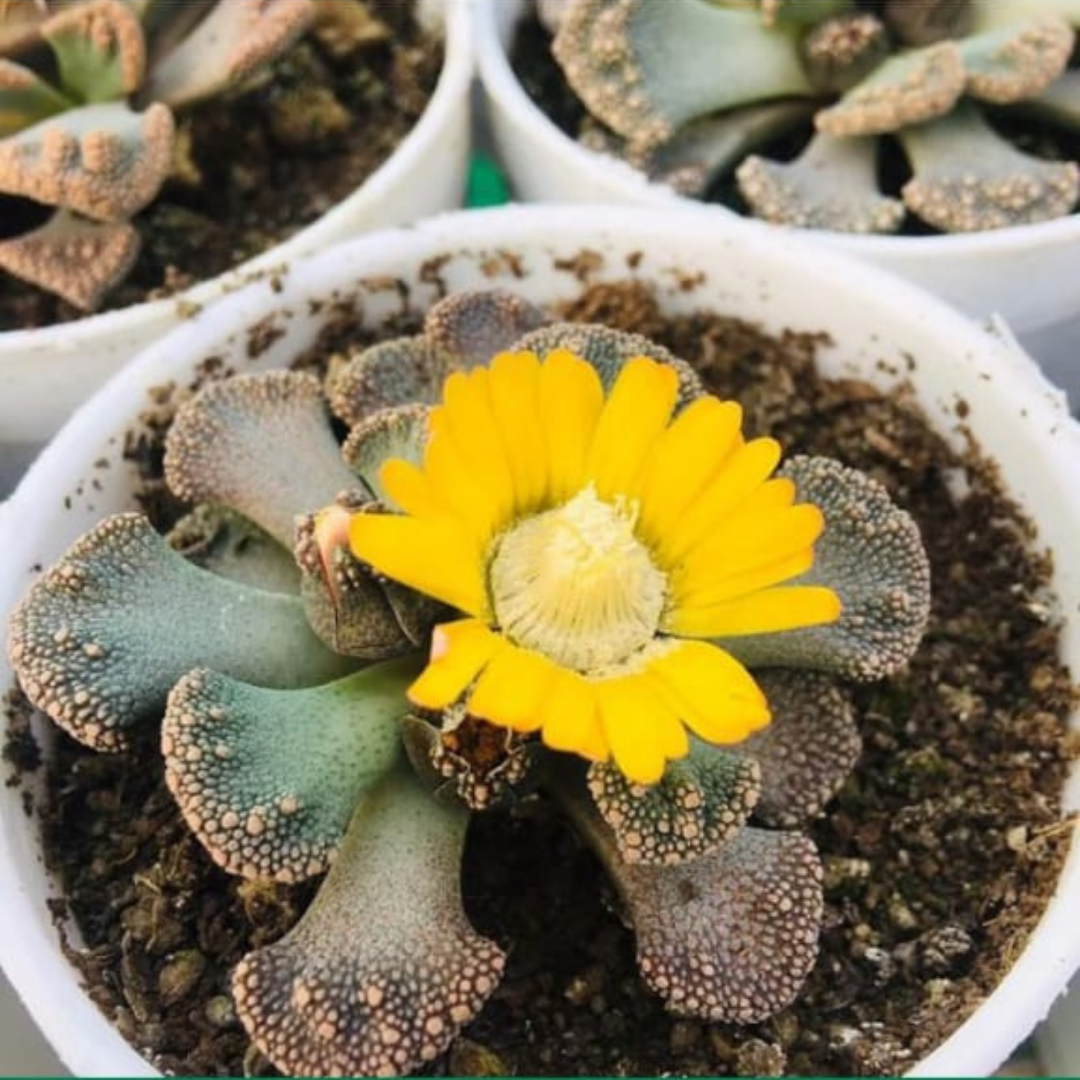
(589, 542)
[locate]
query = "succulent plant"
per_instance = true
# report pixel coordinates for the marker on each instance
(695, 92)
(88, 90)
(544, 560)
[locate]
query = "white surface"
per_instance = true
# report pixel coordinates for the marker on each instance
(23, 1049)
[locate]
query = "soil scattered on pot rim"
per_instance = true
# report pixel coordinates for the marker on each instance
(940, 852)
(254, 167)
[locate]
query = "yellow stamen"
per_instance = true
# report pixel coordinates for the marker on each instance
(575, 584)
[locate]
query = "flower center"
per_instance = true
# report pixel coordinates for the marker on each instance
(575, 584)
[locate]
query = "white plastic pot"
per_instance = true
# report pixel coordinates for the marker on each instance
(881, 329)
(46, 372)
(1029, 275)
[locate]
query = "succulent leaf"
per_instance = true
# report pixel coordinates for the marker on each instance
(260, 444)
(383, 969)
(808, 749)
(99, 49)
(872, 555)
(908, 88)
(402, 371)
(839, 53)
(608, 351)
(831, 185)
(101, 637)
(269, 779)
(967, 178)
(699, 804)
(346, 606)
(645, 69)
(25, 98)
(1018, 60)
(472, 326)
(232, 546)
(460, 331)
(730, 936)
(226, 47)
(706, 149)
(78, 260)
(104, 161)
(397, 431)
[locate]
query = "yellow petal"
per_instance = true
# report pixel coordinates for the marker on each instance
(743, 473)
(468, 497)
(511, 688)
(409, 488)
(785, 607)
(720, 587)
(686, 456)
(570, 398)
(474, 432)
(746, 541)
(710, 691)
(634, 416)
(459, 651)
(434, 556)
(571, 717)
(513, 384)
(634, 723)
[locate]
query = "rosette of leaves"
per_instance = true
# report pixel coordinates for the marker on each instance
(280, 667)
(89, 90)
(922, 92)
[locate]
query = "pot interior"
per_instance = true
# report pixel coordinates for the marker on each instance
(971, 385)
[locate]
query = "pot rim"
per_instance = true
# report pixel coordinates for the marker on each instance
(50, 986)
(623, 182)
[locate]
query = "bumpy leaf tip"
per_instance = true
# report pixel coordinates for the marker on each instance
(269, 779)
(104, 161)
(832, 185)
(909, 88)
(383, 969)
(872, 556)
(222, 445)
(77, 260)
(102, 636)
(698, 805)
(730, 936)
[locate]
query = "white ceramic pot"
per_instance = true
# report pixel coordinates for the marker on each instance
(45, 373)
(881, 329)
(1029, 275)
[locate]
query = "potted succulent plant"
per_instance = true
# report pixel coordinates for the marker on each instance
(544, 568)
(111, 112)
(953, 122)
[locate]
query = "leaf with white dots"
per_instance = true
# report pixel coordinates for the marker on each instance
(700, 802)
(268, 779)
(383, 969)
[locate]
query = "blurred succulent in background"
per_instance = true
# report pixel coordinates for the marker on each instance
(544, 560)
(688, 90)
(88, 90)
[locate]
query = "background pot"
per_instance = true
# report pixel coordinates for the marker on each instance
(1027, 274)
(882, 330)
(46, 372)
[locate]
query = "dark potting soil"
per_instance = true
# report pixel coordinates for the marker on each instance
(940, 852)
(255, 167)
(542, 79)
